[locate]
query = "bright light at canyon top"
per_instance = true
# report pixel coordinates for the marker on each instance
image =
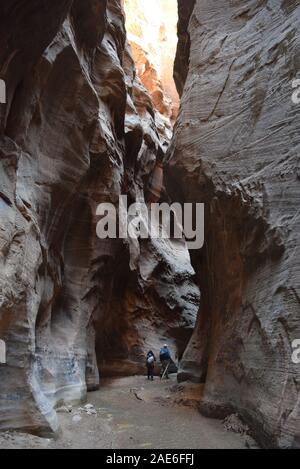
(152, 32)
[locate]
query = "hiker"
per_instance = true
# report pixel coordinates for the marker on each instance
(150, 364)
(165, 359)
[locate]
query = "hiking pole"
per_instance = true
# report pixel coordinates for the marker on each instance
(166, 369)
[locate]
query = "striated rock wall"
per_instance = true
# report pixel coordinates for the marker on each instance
(236, 148)
(79, 128)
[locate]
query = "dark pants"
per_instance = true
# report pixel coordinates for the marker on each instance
(150, 369)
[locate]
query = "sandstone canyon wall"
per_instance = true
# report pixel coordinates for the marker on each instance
(236, 147)
(79, 128)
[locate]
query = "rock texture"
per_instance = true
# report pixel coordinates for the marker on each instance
(79, 128)
(236, 148)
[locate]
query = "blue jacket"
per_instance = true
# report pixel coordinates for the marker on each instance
(165, 354)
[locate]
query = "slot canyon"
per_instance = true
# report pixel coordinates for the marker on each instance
(92, 113)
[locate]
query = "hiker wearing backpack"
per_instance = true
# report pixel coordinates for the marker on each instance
(150, 364)
(165, 359)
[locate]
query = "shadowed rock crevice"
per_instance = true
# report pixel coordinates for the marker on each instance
(185, 10)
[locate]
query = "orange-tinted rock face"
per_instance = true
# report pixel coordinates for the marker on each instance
(152, 32)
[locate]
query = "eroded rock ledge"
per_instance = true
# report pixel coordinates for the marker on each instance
(78, 129)
(236, 148)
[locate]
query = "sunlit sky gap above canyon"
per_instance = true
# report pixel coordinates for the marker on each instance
(152, 32)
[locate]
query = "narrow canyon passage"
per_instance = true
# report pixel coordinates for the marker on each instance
(90, 114)
(76, 309)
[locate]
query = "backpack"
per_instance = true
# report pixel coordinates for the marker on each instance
(150, 360)
(164, 354)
